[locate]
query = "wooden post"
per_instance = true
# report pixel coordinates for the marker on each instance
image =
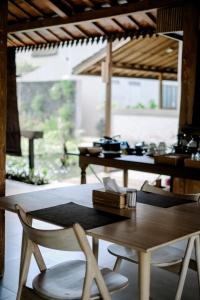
(189, 62)
(3, 112)
(13, 137)
(160, 91)
(180, 51)
(108, 81)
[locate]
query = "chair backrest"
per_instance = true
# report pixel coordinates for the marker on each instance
(59, 239)
(146, 187)
(70, 239)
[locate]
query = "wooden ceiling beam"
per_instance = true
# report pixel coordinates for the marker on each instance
(55, 6)
(11, 42)
(29, 37)
(144, 68)
(27, 14)
(100, 28)
(13, 15)
(67, 32)
(13, 35)
(82, 31)
(89, 3)
(151, 17)
(54, 34)
(70, 5)
(92, 15)
(35, 8)
(119, 24)
(134, 21)
(41, 36)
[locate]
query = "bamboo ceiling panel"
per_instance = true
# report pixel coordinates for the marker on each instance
(44, 22)
(143, 57)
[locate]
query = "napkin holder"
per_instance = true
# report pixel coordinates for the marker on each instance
(109, 198)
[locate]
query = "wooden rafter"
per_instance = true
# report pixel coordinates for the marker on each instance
(118, 24)
(41, 36)
(146, 68)
(82, 30)
(16, 39)
(88, 3)
(34, 8)
(134, 21)
(27, 14)
(67, 32)
(54, 34)
(56, 8)
(100, 28)
(28, 37)
(13, 15)
(151, 17)
(91, 15)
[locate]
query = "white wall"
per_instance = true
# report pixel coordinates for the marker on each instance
(147, 126)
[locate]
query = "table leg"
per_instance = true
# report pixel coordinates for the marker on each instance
(184, 269)
(2, 241)
(125, 178)
(95, 247)
(171, 183)
(144, 275)
(83, 175)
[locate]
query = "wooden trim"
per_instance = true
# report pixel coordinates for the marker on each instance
(93, 15)
(145, 68)
(3, 114)
(108, 101)
(56, 8)
(160, 90)
(189, 61)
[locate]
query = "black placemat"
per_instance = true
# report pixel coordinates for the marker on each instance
(67, 214)
(160, 200)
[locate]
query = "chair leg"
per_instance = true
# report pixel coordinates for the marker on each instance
(197, 254)
(184, 268)
(24, 267)
(117, 264)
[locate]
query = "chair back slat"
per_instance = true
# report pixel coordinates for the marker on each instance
(59, 239)
(146, 187)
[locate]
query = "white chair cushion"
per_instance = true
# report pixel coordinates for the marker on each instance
(65, 281)
(164, 256)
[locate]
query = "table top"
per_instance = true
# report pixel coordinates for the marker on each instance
(140, 163)
(148, 228)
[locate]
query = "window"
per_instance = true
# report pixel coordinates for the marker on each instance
(44, 52)
(170, 94)
(134, 83)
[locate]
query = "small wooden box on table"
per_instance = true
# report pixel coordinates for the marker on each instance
(108, 198)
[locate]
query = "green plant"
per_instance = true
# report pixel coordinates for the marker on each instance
(139, 105)
(152, 104)
(17, 169)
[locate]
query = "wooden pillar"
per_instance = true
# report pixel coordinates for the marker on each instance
(160, 91)
(13, 146)
(108, 81)
(180, 51)
(189, 63)
(3, 110)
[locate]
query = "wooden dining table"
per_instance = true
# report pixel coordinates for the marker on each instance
(146, 229)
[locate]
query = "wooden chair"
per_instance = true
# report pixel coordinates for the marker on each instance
(165, 257)
(75, 279)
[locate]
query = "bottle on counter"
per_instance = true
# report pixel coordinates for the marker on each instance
(193, 145)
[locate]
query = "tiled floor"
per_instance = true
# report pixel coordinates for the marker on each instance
(163, 283)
